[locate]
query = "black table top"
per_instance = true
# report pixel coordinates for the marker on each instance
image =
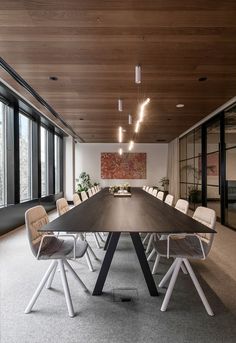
(140, 213)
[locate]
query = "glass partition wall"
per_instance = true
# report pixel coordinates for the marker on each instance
(3, 183)
(190, 168)
(208, 166)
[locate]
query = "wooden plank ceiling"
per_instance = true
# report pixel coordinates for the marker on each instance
(92, 47)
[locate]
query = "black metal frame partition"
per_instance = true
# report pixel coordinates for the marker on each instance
(17, 105)
(222, 162)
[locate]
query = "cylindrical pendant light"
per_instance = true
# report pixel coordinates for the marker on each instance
(131, 145)
(120, 105)
(120, 134)
(130, 119)
(138, 74)
(137, 126)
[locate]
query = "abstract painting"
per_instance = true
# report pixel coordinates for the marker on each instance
(125, 166)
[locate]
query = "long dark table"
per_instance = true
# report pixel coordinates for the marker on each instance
(141, 212)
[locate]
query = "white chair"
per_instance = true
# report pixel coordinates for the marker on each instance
(144, 187)
(83, 195)
(90, 192)
(160, 195)
(150, 190)
(147, 188)
(154, 192)
(76, 199)
(195, 246)
(182, 206)
(169, 199)
(59, 251)
(62, 208)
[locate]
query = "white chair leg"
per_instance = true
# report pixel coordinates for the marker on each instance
(40, 287)
(89, 261)
(51, 277)
(171, 285)
(184, 270)
(75, 275)
(167, 275)
(100, 237)
(156, 263)
(146, 238)
(66, 289)
(89, 247)
(198, 287)
(149, 243)
(151, 254)
(96, 240)
(92, 252)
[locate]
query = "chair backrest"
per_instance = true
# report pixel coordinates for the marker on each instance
(150, 190)
(83, 195)
(160, 195)
(90, 192)
(35, 218)
(144, 187)
(94, 189)
(62, 206)
(76, 199)
(169, 199)
(206, 216)
(182, 206)
(154, 192)
(147, 188)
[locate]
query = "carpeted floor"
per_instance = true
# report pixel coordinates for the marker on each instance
(101, 319)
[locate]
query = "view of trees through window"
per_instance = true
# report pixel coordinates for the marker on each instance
(57, 163)
(2, 154)
(44, 162)
(25, 144)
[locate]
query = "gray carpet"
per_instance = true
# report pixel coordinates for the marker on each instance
(100, 319)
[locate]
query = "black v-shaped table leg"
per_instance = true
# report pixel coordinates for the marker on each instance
(138, 245)
(139, 249)
(112, 244)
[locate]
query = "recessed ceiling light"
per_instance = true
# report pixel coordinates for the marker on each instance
(53, 78)
(168, 118)
(160, 140)
(180, 105)
(81, 118)
(203, 78)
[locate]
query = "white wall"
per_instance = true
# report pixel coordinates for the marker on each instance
(88, 159)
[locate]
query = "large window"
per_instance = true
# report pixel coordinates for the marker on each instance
(57, 164)
(3, 197)
(44, 162)
(25, 148)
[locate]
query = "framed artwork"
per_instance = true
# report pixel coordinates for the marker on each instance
(125, 166)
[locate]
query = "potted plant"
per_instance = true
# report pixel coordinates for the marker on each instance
(164, 183)
(83, 183)
(194, 194)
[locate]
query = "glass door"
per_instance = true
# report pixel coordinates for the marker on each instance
(213, 197)
(230, 156)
